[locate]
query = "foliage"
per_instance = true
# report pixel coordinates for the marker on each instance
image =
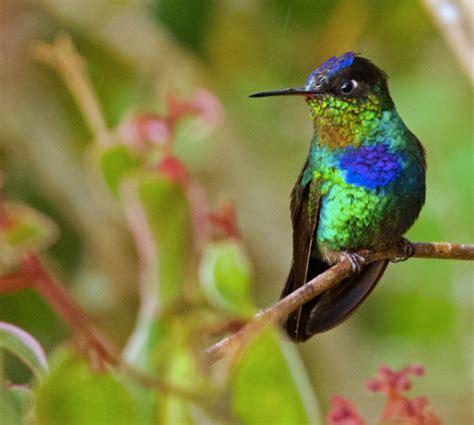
(135, 218)
(185, 288)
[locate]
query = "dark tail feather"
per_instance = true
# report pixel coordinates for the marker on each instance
(333, 306)
(295, 324)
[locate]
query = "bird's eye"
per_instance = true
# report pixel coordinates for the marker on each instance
(348, 86)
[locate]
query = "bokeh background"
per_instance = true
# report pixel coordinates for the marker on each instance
(422, 310)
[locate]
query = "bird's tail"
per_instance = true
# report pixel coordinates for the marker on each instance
(333, 306)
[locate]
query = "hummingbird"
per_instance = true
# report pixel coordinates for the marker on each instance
(362, 186)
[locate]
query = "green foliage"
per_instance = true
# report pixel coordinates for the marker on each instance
(27, 230)
(181, 371)
(23, 398)
(76, 395)
(269, 385)
(25, 347)
(115, 162)
(169, 220)
(16, 401)
(225, 275)
(420, 310)
(11, 412)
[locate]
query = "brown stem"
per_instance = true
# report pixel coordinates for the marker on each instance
(33, 274)
(454, 19)
(69, 311)
(271, 315)
(63, 56)
(14, 281)
(163, 387)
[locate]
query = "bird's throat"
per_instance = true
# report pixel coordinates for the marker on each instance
(340, 123)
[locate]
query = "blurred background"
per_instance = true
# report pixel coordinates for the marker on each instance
(422, 310)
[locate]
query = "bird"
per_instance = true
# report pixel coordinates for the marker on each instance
(362, 186)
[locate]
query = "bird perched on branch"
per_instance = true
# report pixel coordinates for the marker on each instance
(362, 187)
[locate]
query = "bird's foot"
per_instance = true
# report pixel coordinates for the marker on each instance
(357, 260)
(407, 250)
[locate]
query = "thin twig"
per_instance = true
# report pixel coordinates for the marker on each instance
(454, 19)
(14, 281)
(162, 387)
(63, 56)
(271, 315)
(32, 274)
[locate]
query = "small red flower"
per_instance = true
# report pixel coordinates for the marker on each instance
(343, 412)
(174, 169)
(203, 105)
(144, 127)
(393, 383)
(398, 408)
(225, 219)
(208, 108)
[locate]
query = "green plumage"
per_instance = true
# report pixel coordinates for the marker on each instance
(362, 186)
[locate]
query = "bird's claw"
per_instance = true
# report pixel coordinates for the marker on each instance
(356, 260)
(407, 249)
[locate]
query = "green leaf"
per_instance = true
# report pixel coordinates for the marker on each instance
(269, 385)
(16, 403)
(181, 372)
(115, 163)
(27, 231)
(25, 347)
(225, 275)
(160, 350)
(73, 394)
(24, 397)
(152, 333)
(10, 410)
(169, 219)
(161, 221)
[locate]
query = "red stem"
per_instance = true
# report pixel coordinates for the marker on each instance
(14, 281)
(33, 274)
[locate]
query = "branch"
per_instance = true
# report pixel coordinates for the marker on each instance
(275, 313)
(14, 281)
(69, 64)
(33, 274)
(101, 352)
(454, 20)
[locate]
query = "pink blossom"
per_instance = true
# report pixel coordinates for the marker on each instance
(398, 408)
(208, 108)
(343, 412)
(174, 169)
(394, 383)
(144, 127)
(225, 219)
(203, 105)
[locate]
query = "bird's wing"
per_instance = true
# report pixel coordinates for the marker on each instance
(305, 203)
(336, 304)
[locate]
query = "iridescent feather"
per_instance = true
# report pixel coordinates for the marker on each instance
(362, 186)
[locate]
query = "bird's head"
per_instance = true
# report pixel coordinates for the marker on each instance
(344, 94)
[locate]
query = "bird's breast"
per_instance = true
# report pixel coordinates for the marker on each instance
(366, 195)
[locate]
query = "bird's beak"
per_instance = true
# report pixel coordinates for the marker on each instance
(301, 91)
